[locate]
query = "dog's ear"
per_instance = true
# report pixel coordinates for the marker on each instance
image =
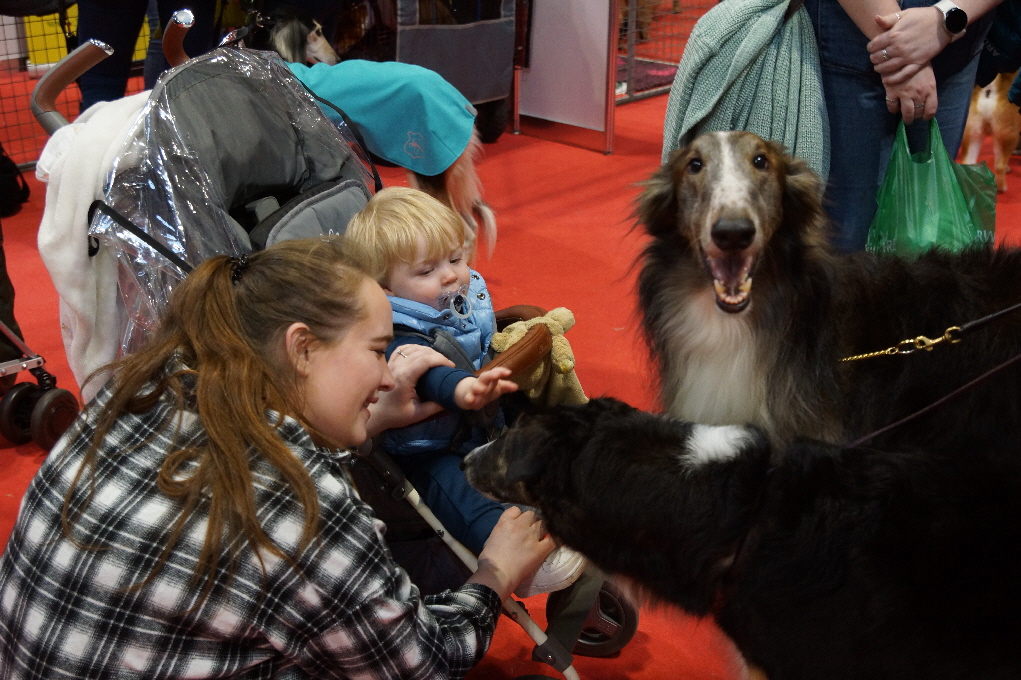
(803, 199)
(657, 204)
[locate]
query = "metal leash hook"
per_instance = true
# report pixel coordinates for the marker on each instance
(951, 335)
(922, 342)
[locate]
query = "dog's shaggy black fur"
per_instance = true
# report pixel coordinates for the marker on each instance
(731, 210)
(830, 564)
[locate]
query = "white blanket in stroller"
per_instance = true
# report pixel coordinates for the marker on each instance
(79, 166)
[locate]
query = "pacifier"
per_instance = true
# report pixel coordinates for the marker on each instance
(456, 301)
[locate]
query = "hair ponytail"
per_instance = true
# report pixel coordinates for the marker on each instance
(219, 351)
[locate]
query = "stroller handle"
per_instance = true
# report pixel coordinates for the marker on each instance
(44, 97)
(173, 36)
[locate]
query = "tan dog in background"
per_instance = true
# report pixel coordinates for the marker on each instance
(991, 114)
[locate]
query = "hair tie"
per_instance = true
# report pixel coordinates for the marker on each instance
(237, 268)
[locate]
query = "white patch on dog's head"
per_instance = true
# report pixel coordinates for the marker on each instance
(715, 443)
(732, 190)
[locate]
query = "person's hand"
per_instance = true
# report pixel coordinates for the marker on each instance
(515, 550)
(473, 393)
(401, 406)
(915, 99)
(909, 41)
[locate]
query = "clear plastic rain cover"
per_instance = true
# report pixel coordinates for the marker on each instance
(221, 137)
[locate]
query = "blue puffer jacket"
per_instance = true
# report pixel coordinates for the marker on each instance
(473, 335)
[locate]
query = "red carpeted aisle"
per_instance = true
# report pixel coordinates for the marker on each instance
(565, 240)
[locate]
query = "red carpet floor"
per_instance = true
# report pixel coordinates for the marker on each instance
(565, 240)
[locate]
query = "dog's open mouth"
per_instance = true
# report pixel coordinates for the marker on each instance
(732, 280)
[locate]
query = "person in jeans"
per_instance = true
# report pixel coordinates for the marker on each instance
(933, 75)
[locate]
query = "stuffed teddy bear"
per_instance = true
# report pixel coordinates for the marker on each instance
(553, 380)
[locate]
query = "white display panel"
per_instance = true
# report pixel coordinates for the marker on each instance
(567, 78)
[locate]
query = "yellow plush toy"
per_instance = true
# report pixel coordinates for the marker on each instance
(551, 381)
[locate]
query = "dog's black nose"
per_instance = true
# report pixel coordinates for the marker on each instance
(733, 233)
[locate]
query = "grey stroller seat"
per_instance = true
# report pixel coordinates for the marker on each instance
(230, 155)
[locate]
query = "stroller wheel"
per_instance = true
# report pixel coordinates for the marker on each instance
(52, 415)
(16, 412)
(610, 625)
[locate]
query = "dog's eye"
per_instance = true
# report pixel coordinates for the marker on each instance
(695, 166)
(760, 162)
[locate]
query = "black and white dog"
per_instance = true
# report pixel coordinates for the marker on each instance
(820, 563)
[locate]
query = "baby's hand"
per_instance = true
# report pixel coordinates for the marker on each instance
(473, 393)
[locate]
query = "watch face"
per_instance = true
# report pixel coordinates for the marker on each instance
(956, 20)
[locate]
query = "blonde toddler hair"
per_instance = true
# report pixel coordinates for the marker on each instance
(389, 227)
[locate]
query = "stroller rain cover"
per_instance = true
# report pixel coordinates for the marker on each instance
(220, 137)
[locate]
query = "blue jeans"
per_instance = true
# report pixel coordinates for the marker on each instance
(465, 513)
(862, 130)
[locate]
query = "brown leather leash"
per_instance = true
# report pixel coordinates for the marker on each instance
(953, 335)
(936, 404)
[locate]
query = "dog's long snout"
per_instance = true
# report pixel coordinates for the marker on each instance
(733, 233)
(473, 453)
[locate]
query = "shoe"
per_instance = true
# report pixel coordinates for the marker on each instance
(561, 568)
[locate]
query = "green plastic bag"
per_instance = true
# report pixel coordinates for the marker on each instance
(929, 200)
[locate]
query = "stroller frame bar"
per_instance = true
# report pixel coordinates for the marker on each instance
(29, 361)
(549, 650)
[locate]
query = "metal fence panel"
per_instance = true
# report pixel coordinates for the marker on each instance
(653, 34)
(28, 47)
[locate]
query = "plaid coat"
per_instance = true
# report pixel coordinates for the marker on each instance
(77, 609)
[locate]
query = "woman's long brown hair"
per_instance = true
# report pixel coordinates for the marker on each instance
(220, 351)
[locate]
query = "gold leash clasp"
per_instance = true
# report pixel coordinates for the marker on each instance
(921, 342)
(950, 335)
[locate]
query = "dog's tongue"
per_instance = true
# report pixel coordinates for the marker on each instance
(731, 281)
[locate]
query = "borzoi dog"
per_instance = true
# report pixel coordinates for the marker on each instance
(294, 35)
(843, 564)
(749, 314)
(297, 37)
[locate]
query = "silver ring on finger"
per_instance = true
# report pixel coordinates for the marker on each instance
(886, 56)
(897, 14)
(402, 353)
(891, 101)
(918, 105)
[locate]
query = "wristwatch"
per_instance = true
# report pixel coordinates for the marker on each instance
(955, 19)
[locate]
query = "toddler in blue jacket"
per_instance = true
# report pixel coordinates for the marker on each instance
(439, 302)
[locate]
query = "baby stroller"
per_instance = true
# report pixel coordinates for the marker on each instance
(227, 154)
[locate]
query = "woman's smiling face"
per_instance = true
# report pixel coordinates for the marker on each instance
(341, 378)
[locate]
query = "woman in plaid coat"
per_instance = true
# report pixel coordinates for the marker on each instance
(199, 521)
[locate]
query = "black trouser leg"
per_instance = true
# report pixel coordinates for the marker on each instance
(8, 352)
